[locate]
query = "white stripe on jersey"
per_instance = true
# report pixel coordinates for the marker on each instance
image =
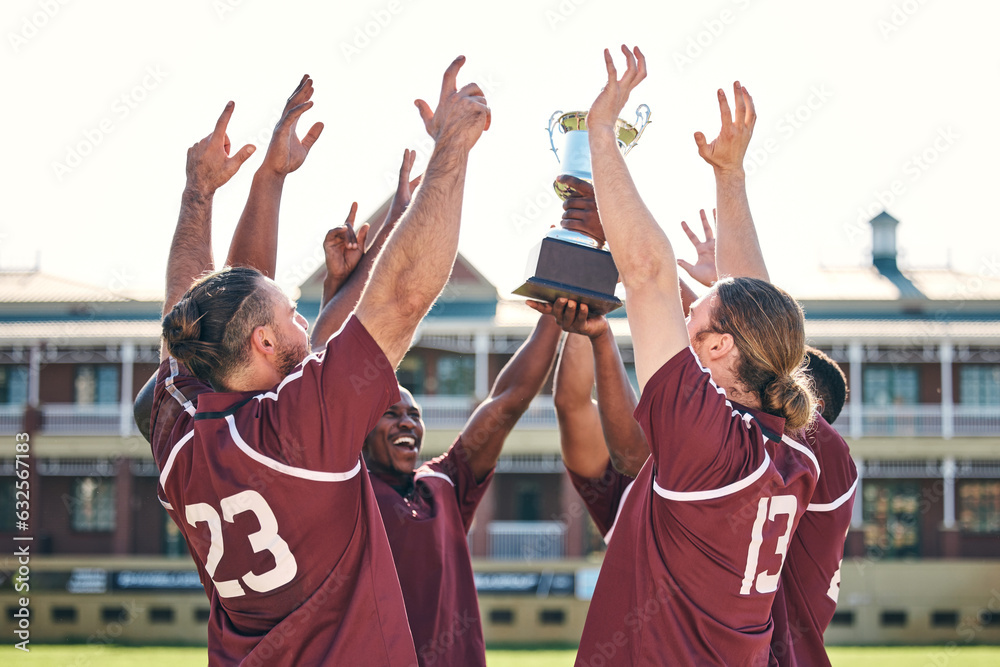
(621, 504)
(174, 391)
(829, 507)
(432, 473)
(745, 416)
(729, 489)
(174, 451)
(163, 502)
(304, 473)
(802, 448)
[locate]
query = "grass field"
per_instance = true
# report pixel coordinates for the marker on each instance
(157, 656)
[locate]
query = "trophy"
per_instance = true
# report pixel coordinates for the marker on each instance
(571, 263)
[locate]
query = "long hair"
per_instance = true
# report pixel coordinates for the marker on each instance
(768, 329)
(209, 329)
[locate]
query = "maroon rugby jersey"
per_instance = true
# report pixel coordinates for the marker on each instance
(810, 580)
(603, 497)
(691, 573)
(427, 529)
(278, 512)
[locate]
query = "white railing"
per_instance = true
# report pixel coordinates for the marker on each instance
(11, 419)
(977, 420)
(454, 411)
(922, 420)
(72, 419)
(527, 540)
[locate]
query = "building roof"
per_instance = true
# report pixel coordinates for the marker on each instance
(80, 331)
(868, 284)
(38, 287)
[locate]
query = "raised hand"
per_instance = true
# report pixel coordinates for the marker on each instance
(343, 248)
(727, 150)
(573, 317)
(610, 102)
(703, 270)
(404, 188)
(209, 165)
(461, 116)
(287, 152)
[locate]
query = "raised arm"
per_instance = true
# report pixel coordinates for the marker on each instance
(518, 382)
(209, 167)
(580, 438)
(349, 262)
(255, 241)
(417, 259)
(641, 250)
(616, 399)
(738, 251)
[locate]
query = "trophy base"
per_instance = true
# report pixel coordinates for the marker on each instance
(544, 290)
(558, 268)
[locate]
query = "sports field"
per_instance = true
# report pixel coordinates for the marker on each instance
(158, 656)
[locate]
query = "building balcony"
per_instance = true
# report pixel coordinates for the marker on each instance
(451, 413)
(527, 540)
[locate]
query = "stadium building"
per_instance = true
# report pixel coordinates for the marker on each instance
(920, 348)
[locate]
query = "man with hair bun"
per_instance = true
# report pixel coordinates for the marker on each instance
(692, 569)
(263, 475)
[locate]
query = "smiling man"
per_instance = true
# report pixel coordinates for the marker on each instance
(428, 510)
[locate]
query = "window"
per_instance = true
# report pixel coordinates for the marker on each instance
(7, 504)
(96, 384)
(892, 519)
(527, 501)
(979, 384)
(979, 506)
(411, 374)
(13, 385)
(456, 375)
(93, 504)
(891, 385)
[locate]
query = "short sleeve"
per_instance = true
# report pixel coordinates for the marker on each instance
(318, 416)
(454, 465)
(602, 495)
(175, 401)
(698, 440)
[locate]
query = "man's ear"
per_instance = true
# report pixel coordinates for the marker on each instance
(263, 340)
(820, 405)
(721, 345)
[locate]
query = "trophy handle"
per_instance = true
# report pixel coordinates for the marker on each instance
(641, 121)
(552, 123)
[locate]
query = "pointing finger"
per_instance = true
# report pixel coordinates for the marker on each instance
(223, 122)
(448, 84)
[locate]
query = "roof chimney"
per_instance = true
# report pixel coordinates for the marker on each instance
(884, 242)
(884, 255)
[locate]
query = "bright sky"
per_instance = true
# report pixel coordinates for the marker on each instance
(854, 99)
